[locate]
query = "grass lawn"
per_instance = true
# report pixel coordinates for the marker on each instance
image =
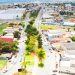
(29, 57)
(2, 63)
(71, 28)
(29, 60)
(46, 27)
(2, 26)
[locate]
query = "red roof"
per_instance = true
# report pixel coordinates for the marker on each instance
(7, 39)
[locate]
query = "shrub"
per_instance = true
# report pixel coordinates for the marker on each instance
(41, 65)
(17, 34)
(73, 38)
(4, 33)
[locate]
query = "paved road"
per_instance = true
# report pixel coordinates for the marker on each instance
(38, 20)
(51, 58)
(16, 62)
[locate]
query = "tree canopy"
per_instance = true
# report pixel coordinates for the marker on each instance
(73, 38)
(17, 34)
(30, 30)
(8, 46)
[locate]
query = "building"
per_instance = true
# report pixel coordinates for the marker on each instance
(10, 30)
(70, 7)
(51, 34)
(47, 17)
(7, 39)
(11, 14)
(67, 63)
(68, 23)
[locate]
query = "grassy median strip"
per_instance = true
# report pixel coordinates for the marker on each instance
(2, 63)
(3, 26)
(29, 60)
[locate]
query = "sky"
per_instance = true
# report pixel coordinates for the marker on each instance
(52, 1)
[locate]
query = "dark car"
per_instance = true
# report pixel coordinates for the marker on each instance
(54, 70)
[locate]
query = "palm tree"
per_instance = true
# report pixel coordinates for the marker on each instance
(39, 41)
(41, 55)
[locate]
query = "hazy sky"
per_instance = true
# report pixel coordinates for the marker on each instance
(52, 1)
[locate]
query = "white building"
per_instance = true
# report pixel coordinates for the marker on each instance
(53, 34)
(67, 62)
(11, 14)
(68, 23)
(68, 7)
(47, 18)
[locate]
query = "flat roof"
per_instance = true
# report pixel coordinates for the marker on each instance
(12, 11)
(69, 46)
(11, 14)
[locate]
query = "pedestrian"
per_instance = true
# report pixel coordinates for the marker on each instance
(56, 65)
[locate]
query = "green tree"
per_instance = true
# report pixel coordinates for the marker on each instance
(30, 30)
(41, 54)
(31, 44)
(27, 41)
(73, 38)
(11, 24)
(74, 29)
(34, 14)
(31, 22)
(1, 45)
(22, 24)
(4, 33)
(17, 34)
(39, 41)
(8, 47)
(14, 47)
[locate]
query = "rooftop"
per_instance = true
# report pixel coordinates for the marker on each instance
(7, 39)
(69, 46)
(11, 14)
